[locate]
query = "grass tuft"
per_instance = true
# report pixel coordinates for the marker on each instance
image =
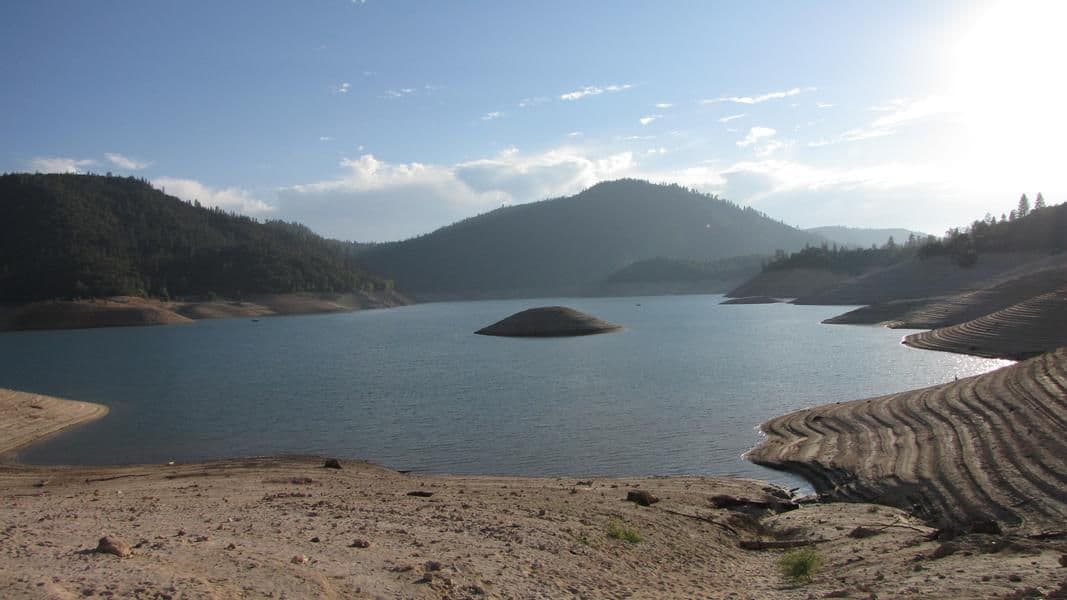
(624, 531)
(800, 565)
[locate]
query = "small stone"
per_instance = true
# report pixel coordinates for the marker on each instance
(316, 539)
(231, 546)
(113, 545)
(332, 463)
(641, 497)
(420, 494)
(433, 565)
(299, 559)
(360, 543)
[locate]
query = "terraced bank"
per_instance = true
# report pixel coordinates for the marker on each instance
(990, 447)
(1020, 331)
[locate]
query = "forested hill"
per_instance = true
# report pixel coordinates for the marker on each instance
(77, 236)
(567, 244)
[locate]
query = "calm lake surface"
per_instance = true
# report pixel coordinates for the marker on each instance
(680, 391)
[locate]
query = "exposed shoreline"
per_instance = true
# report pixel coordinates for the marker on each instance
(129, 311)
(31, 418)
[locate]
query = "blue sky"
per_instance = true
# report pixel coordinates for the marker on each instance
(383, 119)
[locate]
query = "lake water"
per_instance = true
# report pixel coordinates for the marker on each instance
(680, 391)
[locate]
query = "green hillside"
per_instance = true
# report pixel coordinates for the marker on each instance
(75, 236)
(566, 245)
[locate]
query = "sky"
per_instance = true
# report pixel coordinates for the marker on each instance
(377, 120)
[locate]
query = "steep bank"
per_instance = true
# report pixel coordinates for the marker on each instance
(990, 447)
(1020, 331)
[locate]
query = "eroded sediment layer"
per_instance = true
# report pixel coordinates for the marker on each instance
(1022, 330)
(990, 447)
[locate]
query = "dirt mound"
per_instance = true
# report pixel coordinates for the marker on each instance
(548, 321)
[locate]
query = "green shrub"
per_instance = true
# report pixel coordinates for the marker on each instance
(800, 565)
(624, 531)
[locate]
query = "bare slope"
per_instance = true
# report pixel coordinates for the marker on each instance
(990, 447)
(1029, 279)
(1022, 330)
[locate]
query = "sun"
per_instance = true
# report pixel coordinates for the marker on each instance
(1009, 87)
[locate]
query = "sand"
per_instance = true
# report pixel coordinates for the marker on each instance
(26, 418)
(985, 448)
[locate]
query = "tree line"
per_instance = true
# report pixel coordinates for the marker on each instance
(80, 236)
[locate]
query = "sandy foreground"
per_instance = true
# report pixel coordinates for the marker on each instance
(291, 528)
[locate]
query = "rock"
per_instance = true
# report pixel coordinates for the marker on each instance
(420, 494)
(433, 565)
(359, 543)
(315, 540)
(331, 463)
(641, 497)
(299, 559)
(767, 503)
(113, 545)
(231, 546)
(548, 321)
(863, 532)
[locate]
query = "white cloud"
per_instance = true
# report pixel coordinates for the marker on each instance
(729, 118)
(374, 200)
(399, 93)
(574, 134)
(231, 198)
(343, 88)
(898, 112)
(761, 98)
(755, 134)
(660, 150)
(649, 118)
(527, 102)
(664, 105)
(325, 138)
(592, 90)
(911, 111)
(125, 162)
(59, 164)
(489, 116)
(824, 105)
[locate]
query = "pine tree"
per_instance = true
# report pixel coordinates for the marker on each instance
(1024, 207)
(1039, 202)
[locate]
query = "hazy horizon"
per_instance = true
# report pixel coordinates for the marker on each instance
(375, 121)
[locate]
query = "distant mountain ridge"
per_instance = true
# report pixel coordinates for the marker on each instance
(570, 245)
(862, 237)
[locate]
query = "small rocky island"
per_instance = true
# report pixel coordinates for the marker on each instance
(549, 321)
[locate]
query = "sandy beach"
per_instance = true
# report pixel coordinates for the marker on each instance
(290, 527)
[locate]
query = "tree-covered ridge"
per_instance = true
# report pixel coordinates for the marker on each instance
(1040, 228)
(1026, 229)
(71, 236)
(566, 244)
(682, 270)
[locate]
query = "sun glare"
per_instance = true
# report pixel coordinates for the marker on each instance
(1010, 89)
